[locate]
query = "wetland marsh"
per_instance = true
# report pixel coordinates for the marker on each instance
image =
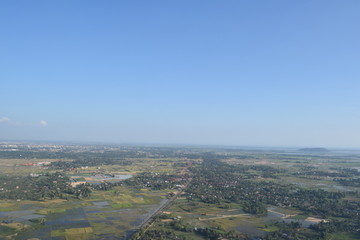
(208, 193)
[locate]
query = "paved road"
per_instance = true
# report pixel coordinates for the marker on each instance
(163, 206)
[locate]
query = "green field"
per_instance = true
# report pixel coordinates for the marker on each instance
(160, 174)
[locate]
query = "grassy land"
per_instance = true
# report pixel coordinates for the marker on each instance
(7, 230)
(15, 167)
(121, 206)
(73, 233)
(342, 236)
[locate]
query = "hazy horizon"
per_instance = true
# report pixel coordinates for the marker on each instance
(236, 73)
(190, 145)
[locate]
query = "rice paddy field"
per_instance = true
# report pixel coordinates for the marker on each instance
(110, 214)
(119, 212)
(104, 215)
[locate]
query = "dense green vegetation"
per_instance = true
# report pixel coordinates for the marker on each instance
(321, 231)
(218, 183)
(215, 190)
(40, 187)
(182, 227)
(352, 182)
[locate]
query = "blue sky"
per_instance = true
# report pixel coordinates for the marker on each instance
(262, 73)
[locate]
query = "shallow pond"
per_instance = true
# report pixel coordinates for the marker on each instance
(20, 216)
(107, 223)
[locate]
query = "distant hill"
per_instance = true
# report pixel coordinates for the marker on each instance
(314, 150)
